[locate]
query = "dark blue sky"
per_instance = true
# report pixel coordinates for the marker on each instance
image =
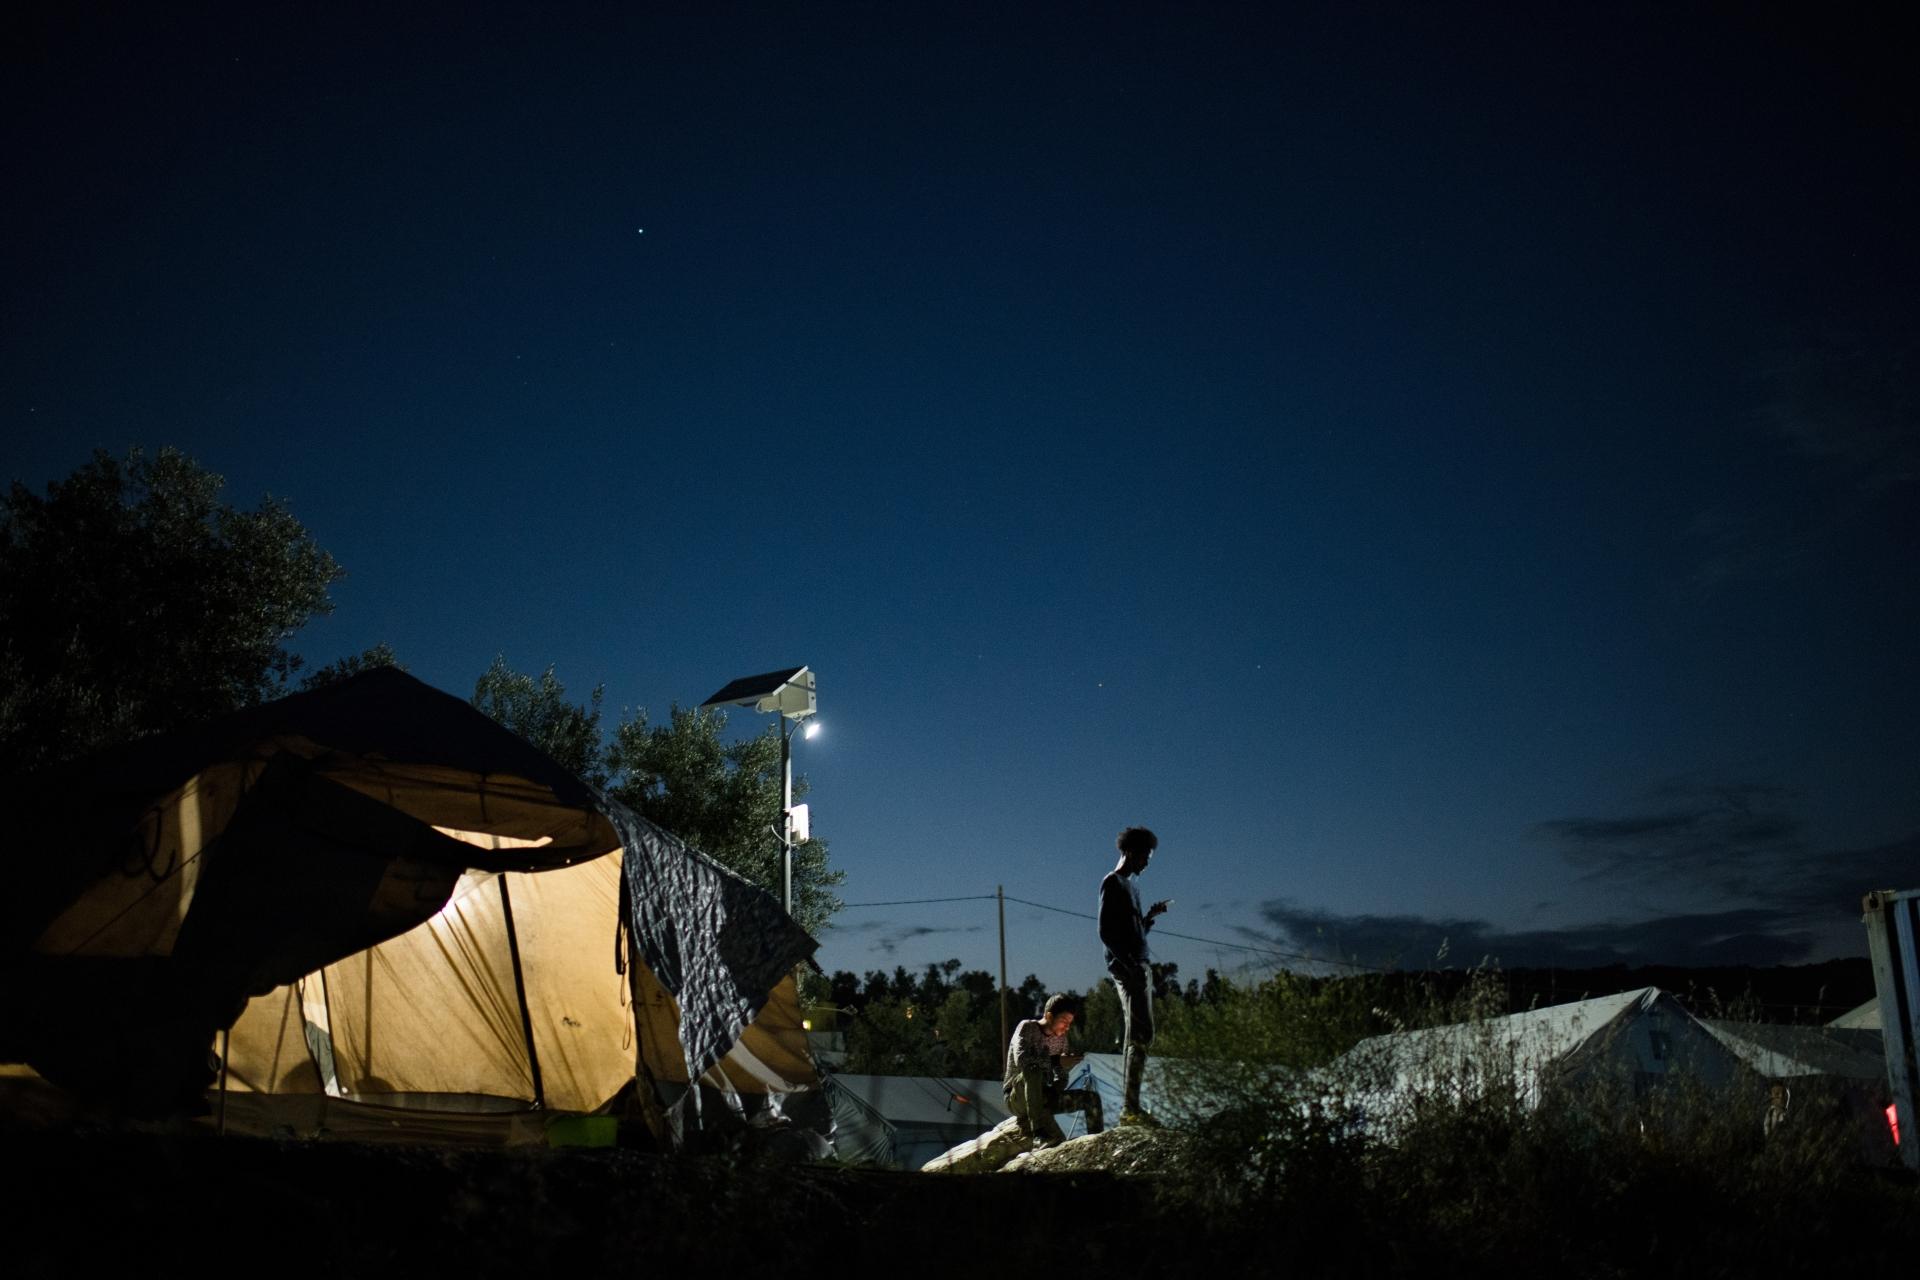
(1454, 477)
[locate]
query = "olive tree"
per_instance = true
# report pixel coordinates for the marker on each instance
(133, 600)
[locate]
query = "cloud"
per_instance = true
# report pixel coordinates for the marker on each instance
(1853, 404)
(1739, 843)
(1728, 838)
(890, 942)
(1735, 841)
(1751, 936)
(1741, 544)
(1842, 417)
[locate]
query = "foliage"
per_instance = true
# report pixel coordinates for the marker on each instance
(954, 1025)
(1288, 1021)
(133, 601)
(885, 1040)
(1101, 1023)
(537, 709)
(943, 1022)
(380, 655)
(1470, 1160)
(724, 799)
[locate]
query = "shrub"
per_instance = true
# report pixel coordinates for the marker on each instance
(1474, 1157)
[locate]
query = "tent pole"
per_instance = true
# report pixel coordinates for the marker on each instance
(328, 1088)
(520, 990)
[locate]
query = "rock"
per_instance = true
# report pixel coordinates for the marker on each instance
(984, 1154)
(1133, 1151)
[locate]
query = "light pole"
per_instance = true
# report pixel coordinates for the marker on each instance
(790, 693)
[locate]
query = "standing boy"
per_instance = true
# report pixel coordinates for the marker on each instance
(1123, 931)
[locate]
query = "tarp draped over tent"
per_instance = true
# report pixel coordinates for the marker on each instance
(715, 945)
(417, 901)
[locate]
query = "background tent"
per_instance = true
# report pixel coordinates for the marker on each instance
(1782, 1052)
(1631, 1042)
(353, 834)
(1862, 1017)
(920, 1117)
(1105, 1073)
(861, 1135)
(1841, 1070)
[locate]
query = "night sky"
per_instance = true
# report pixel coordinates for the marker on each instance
(1452, 475)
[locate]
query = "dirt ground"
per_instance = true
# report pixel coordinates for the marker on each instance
(134, 1201)
(119, 1199)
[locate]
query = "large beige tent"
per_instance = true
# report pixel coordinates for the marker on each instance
(393, 903)
(432, 1021)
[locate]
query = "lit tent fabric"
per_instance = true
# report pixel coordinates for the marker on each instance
(379, 836)
(434, 1016)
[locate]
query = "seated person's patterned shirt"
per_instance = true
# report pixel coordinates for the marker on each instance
(1031, 1046)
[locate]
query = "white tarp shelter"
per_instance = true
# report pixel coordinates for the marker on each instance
(1633, 1041)
(1862, 1017)
(1780, 1051)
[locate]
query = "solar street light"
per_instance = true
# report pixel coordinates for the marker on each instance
(790, 694)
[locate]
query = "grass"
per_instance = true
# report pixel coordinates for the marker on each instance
(1470, 1162)
(1272, 1164)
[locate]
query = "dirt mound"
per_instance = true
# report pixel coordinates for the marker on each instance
(1131, 1150)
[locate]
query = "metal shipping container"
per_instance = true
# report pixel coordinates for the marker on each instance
(1893, 939)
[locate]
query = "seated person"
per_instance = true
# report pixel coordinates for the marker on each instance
(1036, 1080)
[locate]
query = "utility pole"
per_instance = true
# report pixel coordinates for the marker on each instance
(1000, 892)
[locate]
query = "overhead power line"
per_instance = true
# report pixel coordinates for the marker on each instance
(1165, 933)
(1266, 951)
(1212, 942)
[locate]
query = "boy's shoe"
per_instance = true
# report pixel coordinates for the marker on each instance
(1139, 1118)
